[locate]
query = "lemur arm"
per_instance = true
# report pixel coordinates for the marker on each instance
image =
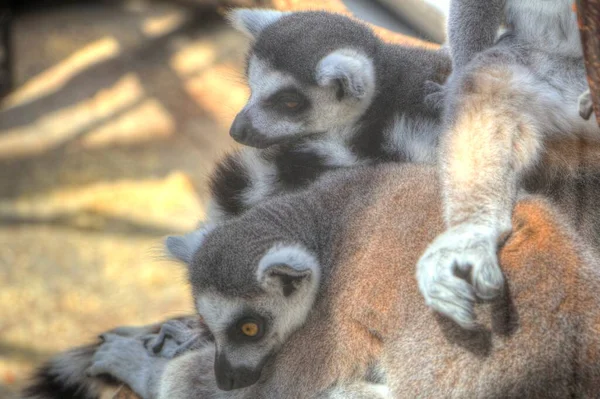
(472, 28)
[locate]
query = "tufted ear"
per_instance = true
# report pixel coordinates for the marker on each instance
(287, 269)
(351, 72)
(184, 247)
(251, 22)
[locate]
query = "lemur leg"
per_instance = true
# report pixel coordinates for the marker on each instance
(496, 116)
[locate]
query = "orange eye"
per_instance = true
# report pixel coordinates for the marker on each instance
(291, 104)
(250, 329)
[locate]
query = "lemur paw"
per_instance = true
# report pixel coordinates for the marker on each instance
(125, 359)
(174, 338)
(586, 105)
(458, 267)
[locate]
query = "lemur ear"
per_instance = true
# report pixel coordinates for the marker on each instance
(286, 269)
(252, 21)
(184, 247)
(351, 71)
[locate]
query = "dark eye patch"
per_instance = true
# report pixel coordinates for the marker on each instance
(288, 101)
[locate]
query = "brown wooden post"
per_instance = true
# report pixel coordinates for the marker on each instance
(588, 18)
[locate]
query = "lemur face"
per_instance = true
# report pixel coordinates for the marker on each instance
(250, 331)
(308, 73)
(250, 293)
(281, 107)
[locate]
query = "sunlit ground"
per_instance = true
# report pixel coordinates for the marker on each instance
(105, 146)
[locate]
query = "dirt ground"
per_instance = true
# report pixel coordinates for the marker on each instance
(120, 112)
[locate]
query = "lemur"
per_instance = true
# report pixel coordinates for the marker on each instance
(308, 293)
(325, 93)
(504, 99)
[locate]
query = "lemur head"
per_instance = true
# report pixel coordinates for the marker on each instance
(308, 72)
(253, 289)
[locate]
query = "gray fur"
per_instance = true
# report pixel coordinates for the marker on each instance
(472, 28)
(183, 247)
(504, 101)
(253, 22)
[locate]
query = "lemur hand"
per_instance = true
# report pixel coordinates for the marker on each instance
(459, 267)
(174, 338)
(127, 360)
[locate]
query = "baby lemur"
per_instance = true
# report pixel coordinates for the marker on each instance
(325, 93)
(504, 99)
(312, 295)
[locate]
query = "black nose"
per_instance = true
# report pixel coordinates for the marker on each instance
(229, 378)
(243, 132)
(239, 127)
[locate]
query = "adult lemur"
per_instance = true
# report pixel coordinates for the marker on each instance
(504, 99)
(312, 295)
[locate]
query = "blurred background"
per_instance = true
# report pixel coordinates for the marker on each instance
(112, 117)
